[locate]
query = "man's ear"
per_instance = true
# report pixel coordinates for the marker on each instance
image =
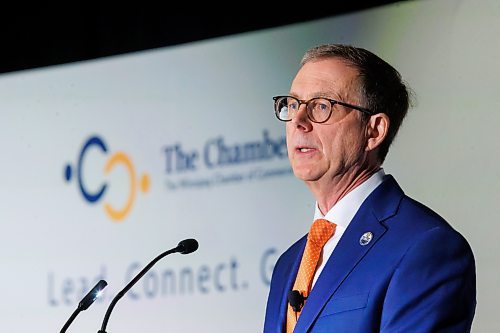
(377, 127)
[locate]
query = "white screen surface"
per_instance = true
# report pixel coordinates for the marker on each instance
(197, 122)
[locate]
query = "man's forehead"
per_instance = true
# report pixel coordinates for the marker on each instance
(325, 78)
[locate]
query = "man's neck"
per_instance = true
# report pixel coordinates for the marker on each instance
(327, 195)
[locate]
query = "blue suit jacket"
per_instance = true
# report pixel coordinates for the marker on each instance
(417, 274)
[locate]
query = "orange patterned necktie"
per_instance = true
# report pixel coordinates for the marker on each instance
(321, 231)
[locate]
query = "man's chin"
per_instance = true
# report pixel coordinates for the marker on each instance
(306, 175)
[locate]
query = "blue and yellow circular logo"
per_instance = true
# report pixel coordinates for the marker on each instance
(116, 214)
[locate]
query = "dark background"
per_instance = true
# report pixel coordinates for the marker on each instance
(61, 36)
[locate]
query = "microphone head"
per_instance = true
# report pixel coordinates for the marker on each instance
(92, 295)
(296, 300)
(187, 246)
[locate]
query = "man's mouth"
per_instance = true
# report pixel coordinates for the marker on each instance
(305, 149)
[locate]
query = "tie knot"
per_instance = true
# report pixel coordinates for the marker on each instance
(321, 231)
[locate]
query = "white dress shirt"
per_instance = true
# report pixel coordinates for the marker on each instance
(342, 213)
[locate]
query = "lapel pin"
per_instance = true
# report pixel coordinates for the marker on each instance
(366, 238)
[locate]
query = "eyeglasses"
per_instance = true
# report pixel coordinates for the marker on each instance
(318, 109)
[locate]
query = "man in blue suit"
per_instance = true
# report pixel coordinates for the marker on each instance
(392, 264)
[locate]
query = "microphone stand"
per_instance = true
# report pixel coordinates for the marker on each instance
(184, 247)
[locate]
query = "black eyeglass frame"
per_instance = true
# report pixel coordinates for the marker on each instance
(332, 102)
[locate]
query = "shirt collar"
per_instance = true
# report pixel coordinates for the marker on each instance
(345, 209)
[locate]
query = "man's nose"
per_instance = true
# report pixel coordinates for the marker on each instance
(301, 119)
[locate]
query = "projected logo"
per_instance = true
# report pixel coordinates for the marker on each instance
(116, 212)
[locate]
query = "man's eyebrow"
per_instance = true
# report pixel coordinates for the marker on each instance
(323, 94)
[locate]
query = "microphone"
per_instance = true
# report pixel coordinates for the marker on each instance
(296, 300)
(184, 247)
(86, 301)
(187, 246)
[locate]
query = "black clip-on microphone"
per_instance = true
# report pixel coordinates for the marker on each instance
(86, 302)
(296, 300)
(185, 247)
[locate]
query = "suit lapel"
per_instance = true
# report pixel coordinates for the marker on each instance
(286, 275)
(381, 204)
